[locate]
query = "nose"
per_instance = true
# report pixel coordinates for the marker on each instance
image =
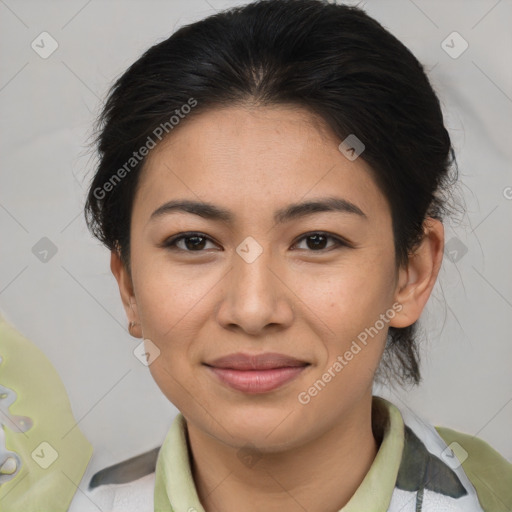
(255, 297)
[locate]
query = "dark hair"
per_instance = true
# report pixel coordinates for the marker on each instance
(334, 60)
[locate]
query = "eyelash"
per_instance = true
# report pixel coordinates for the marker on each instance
(170, 243)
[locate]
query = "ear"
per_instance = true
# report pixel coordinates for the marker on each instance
(125, 284)
(417, 279)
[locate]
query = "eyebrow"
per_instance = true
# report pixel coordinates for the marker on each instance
(286, 214)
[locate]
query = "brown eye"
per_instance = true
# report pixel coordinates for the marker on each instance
(317, 242)
(192, 242)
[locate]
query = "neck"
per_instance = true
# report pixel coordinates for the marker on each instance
(320, 475)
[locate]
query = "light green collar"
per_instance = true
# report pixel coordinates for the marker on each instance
(175, 489)
(378, 485)
(174, 484)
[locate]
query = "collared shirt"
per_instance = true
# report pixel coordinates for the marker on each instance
(403, 474)
(374, 493)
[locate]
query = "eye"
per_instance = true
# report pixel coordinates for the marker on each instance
(193, 242)
(316, 241)
(196, 242)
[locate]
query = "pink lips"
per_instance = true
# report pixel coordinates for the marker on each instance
(256, 373)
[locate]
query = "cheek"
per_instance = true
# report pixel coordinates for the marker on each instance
(353, 344)
(346, 306)
(167, 377)
(173, 302)
(349, 297)
(169, 296)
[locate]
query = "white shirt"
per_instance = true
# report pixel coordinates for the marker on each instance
(134, 496)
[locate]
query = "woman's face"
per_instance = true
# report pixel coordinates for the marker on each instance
(254, 282)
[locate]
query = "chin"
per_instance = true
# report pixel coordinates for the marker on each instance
(265, 427)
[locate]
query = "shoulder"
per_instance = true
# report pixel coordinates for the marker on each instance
(123, 487)
(489, 472)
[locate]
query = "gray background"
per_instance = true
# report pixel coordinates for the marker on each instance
(69, 305)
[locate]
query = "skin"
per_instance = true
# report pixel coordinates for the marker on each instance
(306, 302)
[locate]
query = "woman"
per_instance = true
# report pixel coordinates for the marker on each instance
(271, 186)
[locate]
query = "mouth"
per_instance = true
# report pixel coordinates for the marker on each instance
(258, 373)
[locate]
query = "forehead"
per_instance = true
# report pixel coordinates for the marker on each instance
(260, 157)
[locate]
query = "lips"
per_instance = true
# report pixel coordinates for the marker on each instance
(258, 373)
(266, 361)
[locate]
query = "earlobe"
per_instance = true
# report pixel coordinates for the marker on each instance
(416, 281)
(125, 284)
